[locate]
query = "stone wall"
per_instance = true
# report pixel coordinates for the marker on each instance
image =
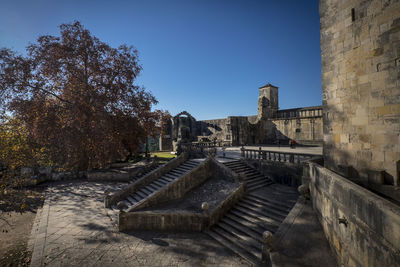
(361, 227)
(360, 48)
(280, 172)
(307, 131)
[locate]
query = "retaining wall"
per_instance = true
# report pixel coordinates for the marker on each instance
(362, 227)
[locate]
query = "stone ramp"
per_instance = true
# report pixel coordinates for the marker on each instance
(159, 183)
(253, 178)
(262, 210)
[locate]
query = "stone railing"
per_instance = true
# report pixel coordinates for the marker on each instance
(213, 144)
(310, 112)
(268, 155)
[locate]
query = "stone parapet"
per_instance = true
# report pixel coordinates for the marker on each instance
(361, 227)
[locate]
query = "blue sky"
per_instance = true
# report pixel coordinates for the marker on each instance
(208, 57)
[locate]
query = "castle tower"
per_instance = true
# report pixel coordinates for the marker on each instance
(267, 101)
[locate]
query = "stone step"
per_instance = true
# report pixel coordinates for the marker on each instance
(256, 187)
(244, 244)
(256, 215)
(246, 238)
(237, 249)
(186, 168)
(153, 187)
(250, 171)
(240, 168)
(159, 183)
(265, 212)
(135, 197)
(251, 174)
(146, 190)
(242, 228)
(130, 202)
(256, 227)
(271, 201)
(169, 177)
(255, 179)
(133, 201)
(277, 209)
(176, 172)
(141, 194)
(256, 182)
(257, 221)
(164, 180)
(233, 163)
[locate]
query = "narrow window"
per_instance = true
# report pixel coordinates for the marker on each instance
(353, 14)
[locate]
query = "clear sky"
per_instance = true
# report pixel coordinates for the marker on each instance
(208, 57)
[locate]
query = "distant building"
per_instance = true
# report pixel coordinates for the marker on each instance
(269, 126)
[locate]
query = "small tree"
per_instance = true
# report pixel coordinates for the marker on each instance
(76, 97)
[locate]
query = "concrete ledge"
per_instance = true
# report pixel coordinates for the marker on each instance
(145, 180)
(362, 227)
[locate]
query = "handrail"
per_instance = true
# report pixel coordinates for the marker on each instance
(279, 156)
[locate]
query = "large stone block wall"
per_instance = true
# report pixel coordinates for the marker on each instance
(361, 227)
(360, 48)
(303, 130)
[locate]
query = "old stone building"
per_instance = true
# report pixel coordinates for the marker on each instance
(360, 44)
(269, 126)
(360, 51)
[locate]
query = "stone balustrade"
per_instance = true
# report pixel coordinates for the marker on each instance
(268, 155)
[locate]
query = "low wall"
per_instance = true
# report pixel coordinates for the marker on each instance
(362, 227)
(178, 220)
(172, 221)
(218, 212)
(145, 180)
(179, 187)
(280, 172)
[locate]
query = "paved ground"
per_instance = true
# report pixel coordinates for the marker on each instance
(300, 241)
(73, 229)
(234, 152)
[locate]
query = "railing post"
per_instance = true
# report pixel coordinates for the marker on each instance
(259, 153)
(242, 151)
(291, 158)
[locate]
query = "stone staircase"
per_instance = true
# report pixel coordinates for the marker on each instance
(137, 177)
(254, 179)
(159, 183)
(242, 227)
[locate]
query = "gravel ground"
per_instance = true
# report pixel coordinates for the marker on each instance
(213, 191)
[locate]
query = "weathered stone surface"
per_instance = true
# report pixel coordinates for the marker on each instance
(362, 227)
(361, 89)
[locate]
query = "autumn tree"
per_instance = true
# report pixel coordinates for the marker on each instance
(76, 97)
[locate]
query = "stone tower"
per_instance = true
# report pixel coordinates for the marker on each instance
(361, 89)
(267, 102)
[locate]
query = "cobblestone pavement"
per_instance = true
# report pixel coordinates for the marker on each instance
(74, 229)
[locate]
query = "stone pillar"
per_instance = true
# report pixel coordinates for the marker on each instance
(268, 239)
